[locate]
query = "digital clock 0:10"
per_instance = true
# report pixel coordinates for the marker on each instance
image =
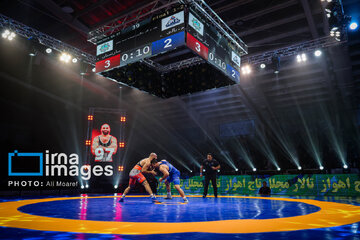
(217, 61)
(138, 53)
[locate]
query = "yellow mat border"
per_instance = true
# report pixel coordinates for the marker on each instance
(331, 215)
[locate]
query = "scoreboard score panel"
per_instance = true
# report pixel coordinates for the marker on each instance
(172, 30)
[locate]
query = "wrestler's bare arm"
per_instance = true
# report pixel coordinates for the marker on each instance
(165, 172)
(95, 145)
(113, 144)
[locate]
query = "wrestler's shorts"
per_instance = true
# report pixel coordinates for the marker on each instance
(174, 177)
(136, 176)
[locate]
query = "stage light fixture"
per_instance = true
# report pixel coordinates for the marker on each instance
(64, 57)
(120, 168)
(191, 171)
(317, 53)
(122, 119)
(74, 60)
(254, 169)
(262, 65)
(88, 142)
(345, 166)
(353, 26)
(48, 50)
(246, 69)
(90, 117)
(236, 170)
(82, 186)
(321, 168)
(8, 34)
(278, 169)
(301, 58)
(121, 144)
(32, 54)
(218, 170)
(115, 186)
(299, 168)
(87, 186)
(94, 70)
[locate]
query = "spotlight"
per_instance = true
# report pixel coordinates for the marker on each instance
(94, 69)
(122, 119)
(115, 186)
(190, 170)
(48, 50)
(353, 26)
(121, 144)
(317, 53)
(87, 186)
(8, 34)
(236, 170)
(254, 169)
(32, 54)
(246, 69)
(278, 169)
(345, 166)
(301, 58)
(74, 60)
(262, 65)
(321, 168)
(218, 170)
(82, 186)
(120, 168)
(64, 57)
(299, 167)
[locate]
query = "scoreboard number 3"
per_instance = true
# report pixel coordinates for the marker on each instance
(107, 64)
(197, 47)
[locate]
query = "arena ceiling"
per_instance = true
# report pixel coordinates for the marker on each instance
(263, 25)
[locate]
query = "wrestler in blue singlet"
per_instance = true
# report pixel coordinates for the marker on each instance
(174, 174)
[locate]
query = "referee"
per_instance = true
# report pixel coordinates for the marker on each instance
(211, 166)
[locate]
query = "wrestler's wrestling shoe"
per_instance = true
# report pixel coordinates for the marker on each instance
(154, 200)
(121, 199)
(186, 201)
(168, 197)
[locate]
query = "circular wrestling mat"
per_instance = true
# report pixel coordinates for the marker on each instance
(137, 215)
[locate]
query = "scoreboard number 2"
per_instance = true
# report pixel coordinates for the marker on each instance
(233, 73)
(168, 43)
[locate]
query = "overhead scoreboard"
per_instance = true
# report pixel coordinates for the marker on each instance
(166, 32)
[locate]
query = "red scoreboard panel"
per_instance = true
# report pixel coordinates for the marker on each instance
(108, 63)
(197, 46)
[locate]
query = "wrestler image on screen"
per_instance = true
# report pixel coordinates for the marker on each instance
(104, 146)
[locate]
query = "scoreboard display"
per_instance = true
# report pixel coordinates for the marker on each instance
(165, 32)
(206, 41)
(145, 39)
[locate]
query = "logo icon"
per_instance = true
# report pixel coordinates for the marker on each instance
(235, 58)
(104, 47)
(196, 24)
(32, 161)
(172, 21)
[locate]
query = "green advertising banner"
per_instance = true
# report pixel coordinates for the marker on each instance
(311, 184)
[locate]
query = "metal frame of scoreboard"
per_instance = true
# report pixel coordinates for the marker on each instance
(183, 26)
